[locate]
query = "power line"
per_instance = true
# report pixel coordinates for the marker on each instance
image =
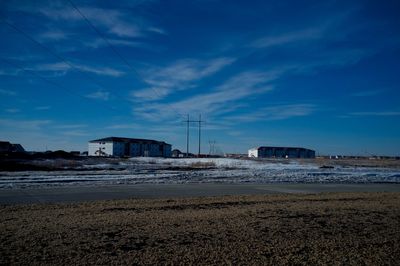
(119, 54)
(52, 82)
(102, 36)
(59, 57)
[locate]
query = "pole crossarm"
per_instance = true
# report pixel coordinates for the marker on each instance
(188, 121)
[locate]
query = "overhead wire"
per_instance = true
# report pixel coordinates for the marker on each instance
(118, 54)
(59, 57)
(33, 73)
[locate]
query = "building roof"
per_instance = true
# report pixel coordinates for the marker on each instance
(6, 146)
(128, 140)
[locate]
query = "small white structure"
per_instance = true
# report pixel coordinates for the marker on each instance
(253, 153)
(129, 147)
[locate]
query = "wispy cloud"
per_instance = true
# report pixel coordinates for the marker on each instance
(123, 126)
(384, 113)
(42, 108)
(288, 37)
(278, 112)
(8, 92)
(12, 110)
(75, 133)
(97, 43)
(326, 27)
(367, 93)
(178, 76)
(113, 21)
(70, 126)
(157, 30)
(63, 68)
(9, 72)
(24, 124)
(220, 100)
(101, 70)
(99, 95)
(55, 35)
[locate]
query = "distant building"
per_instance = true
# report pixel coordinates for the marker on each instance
(177, 153)
(120, 147)
(281, 152)
(6, 146)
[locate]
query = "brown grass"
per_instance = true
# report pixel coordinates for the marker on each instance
(202, 165)
(362, 162)
(334, 228)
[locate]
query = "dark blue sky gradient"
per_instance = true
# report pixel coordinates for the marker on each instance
(317, 74)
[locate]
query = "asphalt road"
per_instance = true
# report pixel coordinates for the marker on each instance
(80, 193)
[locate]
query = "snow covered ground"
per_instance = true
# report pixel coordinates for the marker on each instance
(178, 171)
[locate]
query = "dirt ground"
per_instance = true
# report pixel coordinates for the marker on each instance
(330, 228)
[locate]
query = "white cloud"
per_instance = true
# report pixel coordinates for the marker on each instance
(12, 110)
(157, 30)
(123, 126)
(366, 93)
(151, 94)
(178, 76)
(54, 35)
(63, 68)
(101, 70)
(385, 113)
(75, 133)
(327, 28)
(42, 108)
(221, 100)
(97, 43)
(9, 72)
(70, 126)
(8, 92)
(279, 112)
(288, 37)
(116, 22)
(24, 124)
(99, 95)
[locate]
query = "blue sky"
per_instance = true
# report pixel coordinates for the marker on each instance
(316, 74)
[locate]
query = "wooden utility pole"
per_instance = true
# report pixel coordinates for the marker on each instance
(188, 121)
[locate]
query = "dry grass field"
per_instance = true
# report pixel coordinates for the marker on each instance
(332, 228)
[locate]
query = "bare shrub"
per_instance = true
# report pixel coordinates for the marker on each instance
(202, 165)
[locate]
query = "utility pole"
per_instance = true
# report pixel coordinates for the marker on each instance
(212, 147)
(188, 121)
(187, 136)
(200, 121)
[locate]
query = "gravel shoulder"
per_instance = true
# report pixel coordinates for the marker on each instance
(325, 228)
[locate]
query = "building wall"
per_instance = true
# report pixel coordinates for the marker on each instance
(253, 153)
(106, 149)
(121, 149)
(118, 149)
(281, 152)
(134, 149)
(167, 150)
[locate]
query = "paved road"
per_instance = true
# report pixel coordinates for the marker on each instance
(78, 194)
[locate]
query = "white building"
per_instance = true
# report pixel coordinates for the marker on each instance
(120, 147)
(253, 153)
(281, 152)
